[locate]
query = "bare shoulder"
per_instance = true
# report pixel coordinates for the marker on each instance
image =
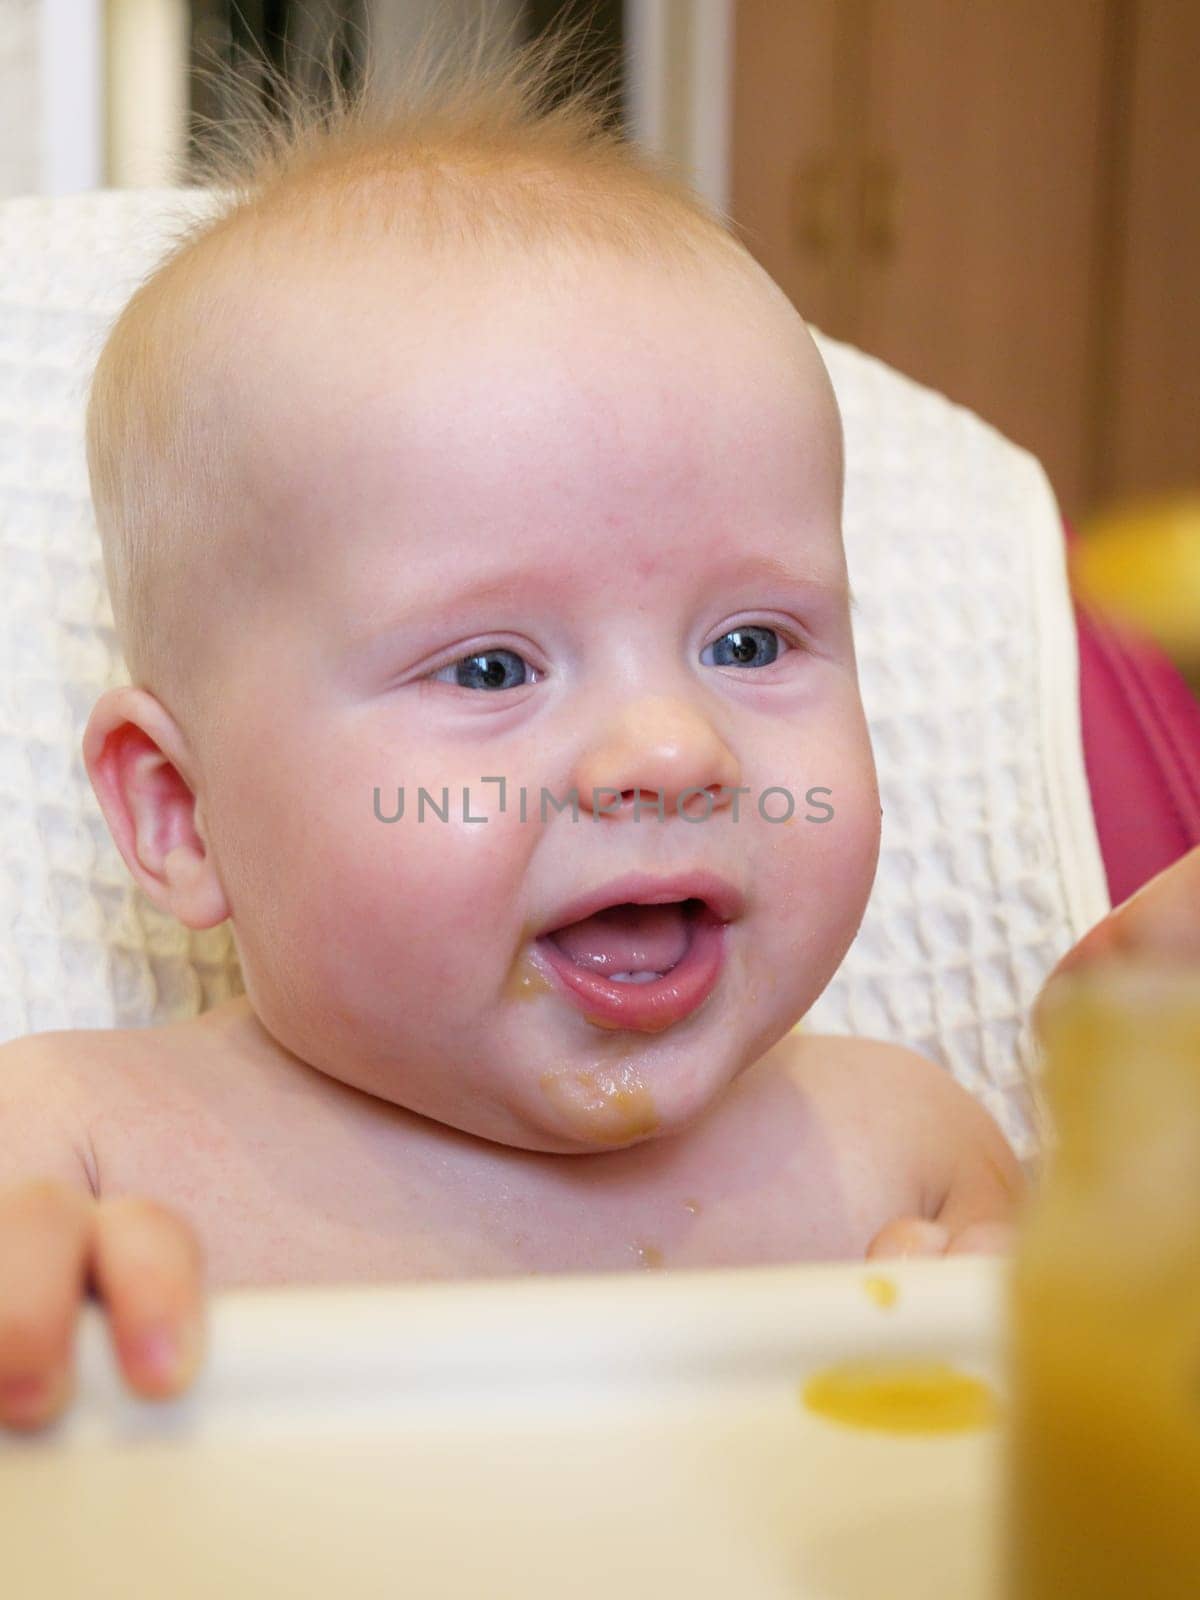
(85, 1061)
(79, 1085)
(920, 1124)
(862, 1070)
(67, 1063)
(43, 1113)
(48, 1061)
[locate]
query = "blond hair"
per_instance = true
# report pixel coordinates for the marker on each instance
(467, 155)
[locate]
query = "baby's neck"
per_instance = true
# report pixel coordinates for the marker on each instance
(448, 1152)
(365, 1181)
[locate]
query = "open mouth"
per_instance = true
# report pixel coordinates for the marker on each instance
(629, 942)
(635, 965)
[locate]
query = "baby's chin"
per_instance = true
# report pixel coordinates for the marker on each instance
(598, 1105)
(629, 1090)
(605, 1106)
(572, 1111)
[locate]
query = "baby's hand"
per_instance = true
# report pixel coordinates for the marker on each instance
(917, 1236)
(142, 1261)
(1160, 921)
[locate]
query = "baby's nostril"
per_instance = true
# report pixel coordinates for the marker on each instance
(700, 802)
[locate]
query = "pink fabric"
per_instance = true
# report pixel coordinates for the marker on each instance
(1141, 750)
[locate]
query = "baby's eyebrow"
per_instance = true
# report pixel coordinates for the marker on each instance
(508, 587)
(513, 587)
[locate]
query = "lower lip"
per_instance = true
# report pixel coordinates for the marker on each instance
(645, 1007)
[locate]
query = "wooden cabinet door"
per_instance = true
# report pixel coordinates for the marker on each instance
(1150, 349)
(983, 200)
(789, 174)
(959, 231)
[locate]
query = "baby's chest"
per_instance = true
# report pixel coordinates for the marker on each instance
(282, 1190)
(277, 1197)
(265, 1217)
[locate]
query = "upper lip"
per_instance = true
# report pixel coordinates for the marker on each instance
(644, 889)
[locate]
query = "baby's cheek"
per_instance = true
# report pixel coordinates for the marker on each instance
(846, 853)
(817, 869)
(848, 840)
(426, 902)
(851, 838)
(829, 794)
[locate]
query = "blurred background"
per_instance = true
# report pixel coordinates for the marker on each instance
(1001, 198)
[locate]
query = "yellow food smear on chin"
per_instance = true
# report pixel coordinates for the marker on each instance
(608, 1104)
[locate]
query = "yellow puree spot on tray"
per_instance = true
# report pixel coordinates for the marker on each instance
(610, 1104)
(893, 1397)
(882, 1290)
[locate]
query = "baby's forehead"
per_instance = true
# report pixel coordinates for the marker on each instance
(330, 372)
(326, 339)
(354, 302)
(347, 521)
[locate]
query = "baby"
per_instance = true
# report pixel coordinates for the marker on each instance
(471, 512)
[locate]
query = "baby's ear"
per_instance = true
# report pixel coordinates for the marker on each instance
(136, 758)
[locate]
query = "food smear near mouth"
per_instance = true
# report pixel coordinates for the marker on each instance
(610, 1105)
(525, 981)
(642, 967)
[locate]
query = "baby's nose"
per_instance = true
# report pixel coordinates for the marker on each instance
(657, 754)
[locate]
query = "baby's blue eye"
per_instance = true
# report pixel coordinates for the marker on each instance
(490, 669)
(744, 647)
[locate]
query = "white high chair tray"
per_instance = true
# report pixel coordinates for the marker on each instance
(608, 1436)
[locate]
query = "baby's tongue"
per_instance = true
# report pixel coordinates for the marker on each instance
(627, 938)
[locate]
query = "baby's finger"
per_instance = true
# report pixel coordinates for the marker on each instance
(1097, 944)
(983, 1238)
(909, 1236)
(44, 1232)
(1161, 920)
(148, 1268)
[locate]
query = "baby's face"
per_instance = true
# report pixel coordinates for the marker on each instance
(583, 537)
